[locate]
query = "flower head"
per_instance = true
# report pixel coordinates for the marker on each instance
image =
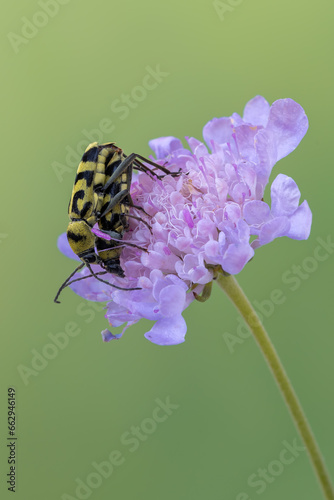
(212, 216)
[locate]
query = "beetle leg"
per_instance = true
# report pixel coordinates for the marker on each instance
(119, 170)
(131, 204)
(107, 282)
(114, 201)
(139, 218)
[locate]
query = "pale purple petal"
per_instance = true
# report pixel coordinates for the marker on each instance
(193, 270)
(236, 257)
(207, 228)
(91, 288)
(242, 232)
(171, 300)
(218, 130)
(240, 192)
(211, 249)
(107, 336)
(117, 314)
(168, 331)
(233, 210)
(198, 148)
(256, 212)
(288, 123)
(256, 111)
(245, 136)
(273, 229)
(266, 149)
(285, 196)
(163, 146)
(300, 222)
(159, 260)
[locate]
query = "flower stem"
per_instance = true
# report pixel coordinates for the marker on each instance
(239, 299)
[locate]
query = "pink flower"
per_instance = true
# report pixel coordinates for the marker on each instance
(205, 217)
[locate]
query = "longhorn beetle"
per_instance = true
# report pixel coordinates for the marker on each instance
(101, 194)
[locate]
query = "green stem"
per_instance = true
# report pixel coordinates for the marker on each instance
(239, 299)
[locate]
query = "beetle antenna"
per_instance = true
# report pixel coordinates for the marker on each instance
(66, 283)
(85, 277)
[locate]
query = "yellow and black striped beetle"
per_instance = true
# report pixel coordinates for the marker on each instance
(101, 194)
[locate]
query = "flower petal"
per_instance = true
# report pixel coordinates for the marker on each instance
(288, 123)
(168, 331)
(171, 300)
(245, 136)
(91, 288)
(107, 336)
(273, 229)
(266, 149)
(197, 147)
(218, 130)
(236, 257)
(163, 146)
(285, 196)
(256, 111)
(300, 222)
(256, 212)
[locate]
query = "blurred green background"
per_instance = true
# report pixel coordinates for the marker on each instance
(228, 421)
